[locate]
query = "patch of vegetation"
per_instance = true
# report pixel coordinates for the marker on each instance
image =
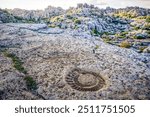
(148, 19)
(139, 37)
(125, 44)
(18, 18)
(136, 28)
(76, 27)
(52, 25)
(96, 32)
(55, 19)
(141, 17)
(31, 84)
(120, 35)
(17, 63)
(148, 31)
(147, 27)
(107, 40)
(77, 21)
(5, 11)
(142, 48)
(69, 16)
(97, 46)
(128, 15)
(123, 33)
(46, 20)
(32, 20)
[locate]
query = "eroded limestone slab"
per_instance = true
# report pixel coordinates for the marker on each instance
(65, 67)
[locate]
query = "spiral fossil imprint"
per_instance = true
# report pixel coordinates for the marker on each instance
(84, 81)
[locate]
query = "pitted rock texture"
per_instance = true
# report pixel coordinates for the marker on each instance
(116, 73)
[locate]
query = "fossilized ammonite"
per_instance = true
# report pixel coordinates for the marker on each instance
(84, 81)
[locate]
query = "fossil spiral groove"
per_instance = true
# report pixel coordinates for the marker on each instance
(84, 81)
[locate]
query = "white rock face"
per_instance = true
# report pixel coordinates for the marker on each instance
(34, 27)
(51, 31)
(37, 14)
(60, 63)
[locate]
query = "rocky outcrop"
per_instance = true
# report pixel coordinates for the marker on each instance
(65, 56)
(36, 15)
(113, 26)
(70, 67)
(5, 17)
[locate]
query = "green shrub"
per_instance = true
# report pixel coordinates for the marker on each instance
(125, 44)
(148, 31)
(126, 15)
(147, 27)
(18, 18)
(69, 16)
(141, 17)
(139, 37)
(31, 84)
(124, 33)
(148, 19)
(136, 28)
(16, 62)
(97, 46)
(76, 27)
(95, 32)
(77, 21)
(121, 36)
(106, 40)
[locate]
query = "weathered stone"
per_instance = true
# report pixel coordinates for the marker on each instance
(115, 73)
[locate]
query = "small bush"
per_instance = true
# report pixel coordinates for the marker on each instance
(128, 15)
(124, 33)
(139, 37)
(148, 32)
(77, 21)
(136, 28)
(148, 19)
(97, 46)
(121, 36)
(31, 84)
(147, 27)
(69, 17)
(106, 40)
(18, 18)
(125, 44)
(95, 32)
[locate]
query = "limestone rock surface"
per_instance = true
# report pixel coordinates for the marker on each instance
(70, 67)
